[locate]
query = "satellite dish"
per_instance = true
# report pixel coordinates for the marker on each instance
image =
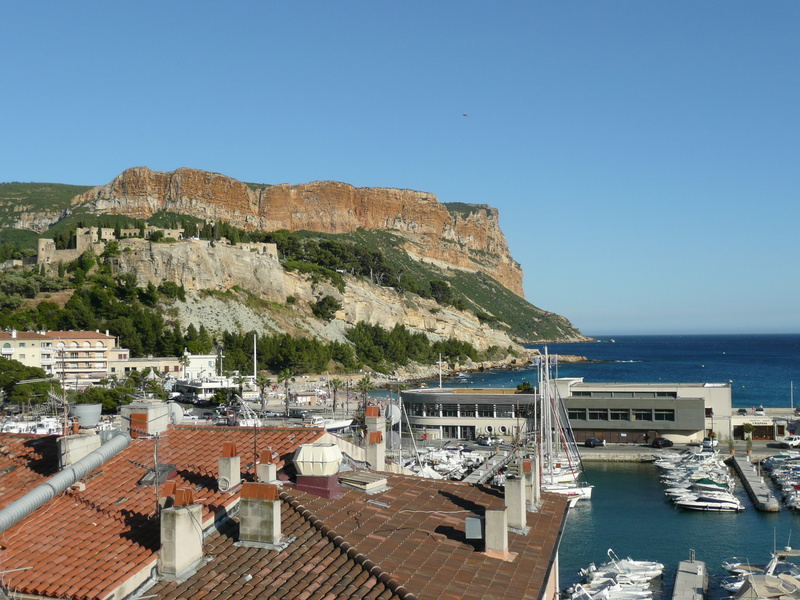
(393, 439)
(392, 414)
(175, 413)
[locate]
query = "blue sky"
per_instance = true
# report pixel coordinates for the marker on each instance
(643, 155)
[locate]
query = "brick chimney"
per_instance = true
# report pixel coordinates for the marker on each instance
(259, 515)
(230, 472)
(375, 442)
(181, 536)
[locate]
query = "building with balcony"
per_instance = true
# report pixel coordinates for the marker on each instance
(80, 358)
(27, 347)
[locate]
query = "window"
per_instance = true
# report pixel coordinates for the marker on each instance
(22, 356)
(598, 414)
(467, 410)
(582, 394)
(432, 410)
(505, 410)
(486, 410)
(664, 414)
(449, 410)
(666, 394)
(576, 414)
(641, 414)
(618, 414)
(22, 344)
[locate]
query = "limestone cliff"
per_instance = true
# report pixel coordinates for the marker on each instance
(238, 271)
(465, 239)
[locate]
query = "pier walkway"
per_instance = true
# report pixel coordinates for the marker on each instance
(691, 580)
(490, 468)
(759, 492)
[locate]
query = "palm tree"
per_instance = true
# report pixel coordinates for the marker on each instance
(263, 382)
(335, 384)
(184, 362)
(286, 377)
(364, 386)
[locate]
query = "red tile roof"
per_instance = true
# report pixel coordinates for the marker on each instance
(22, 335)
(77, 334)
(406, 542)
(84, 544)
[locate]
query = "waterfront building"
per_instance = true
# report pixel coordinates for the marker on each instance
(617, 412)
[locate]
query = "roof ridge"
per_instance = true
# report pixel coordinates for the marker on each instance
(348, 549)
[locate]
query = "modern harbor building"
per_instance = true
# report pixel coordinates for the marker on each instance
(617, 412)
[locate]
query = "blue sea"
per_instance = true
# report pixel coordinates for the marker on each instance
(629, 512)
(761, 368)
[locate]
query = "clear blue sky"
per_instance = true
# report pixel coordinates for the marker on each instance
(643, 155)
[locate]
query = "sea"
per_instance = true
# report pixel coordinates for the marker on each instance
(628, 512)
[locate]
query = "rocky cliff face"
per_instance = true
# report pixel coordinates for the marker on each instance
(200, 266)
(470, 240)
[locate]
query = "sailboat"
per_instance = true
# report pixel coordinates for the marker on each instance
(560, 461)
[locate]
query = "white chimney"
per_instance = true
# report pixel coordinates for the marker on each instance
(496, 531)
(375, 442)
(515, 503)
(230, 471)
(266, 470)
(259, 515)
(181, 538)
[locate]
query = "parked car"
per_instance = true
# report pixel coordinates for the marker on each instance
(790, 441)
(298, 413)
(759, 412)
(662, 442)
(488, 440)
(742, 412)
(270, 414)
(594, 442)
(710, 442)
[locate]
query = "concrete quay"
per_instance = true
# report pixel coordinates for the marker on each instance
(691, 581)
(757, 489)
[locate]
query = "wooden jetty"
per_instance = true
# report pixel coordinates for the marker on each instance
(759, 492)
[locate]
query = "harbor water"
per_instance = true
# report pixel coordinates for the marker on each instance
(628, 511)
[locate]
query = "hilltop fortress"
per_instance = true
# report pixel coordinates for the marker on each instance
(96, 239)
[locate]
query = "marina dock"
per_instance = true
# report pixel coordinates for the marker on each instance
(691, 580)
(757, 489)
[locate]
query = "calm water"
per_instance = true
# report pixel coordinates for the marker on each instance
(629, 512)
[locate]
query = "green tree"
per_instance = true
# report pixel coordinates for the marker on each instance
(264, 383)
(286, 377)
(326, 308)
(335, 385)
(364, 386)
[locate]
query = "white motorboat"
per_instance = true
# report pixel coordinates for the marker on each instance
(709, 502)
(583, 491)
(330, 424)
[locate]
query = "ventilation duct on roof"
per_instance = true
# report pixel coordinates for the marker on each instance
(39, 496)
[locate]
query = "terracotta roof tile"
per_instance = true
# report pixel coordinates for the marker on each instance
(114, 519)
(418, 541)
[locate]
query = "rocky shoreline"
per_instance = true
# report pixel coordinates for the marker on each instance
(415, 372)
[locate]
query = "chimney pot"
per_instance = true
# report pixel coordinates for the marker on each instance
(372, 411)
(229, 450)
(184, 497)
